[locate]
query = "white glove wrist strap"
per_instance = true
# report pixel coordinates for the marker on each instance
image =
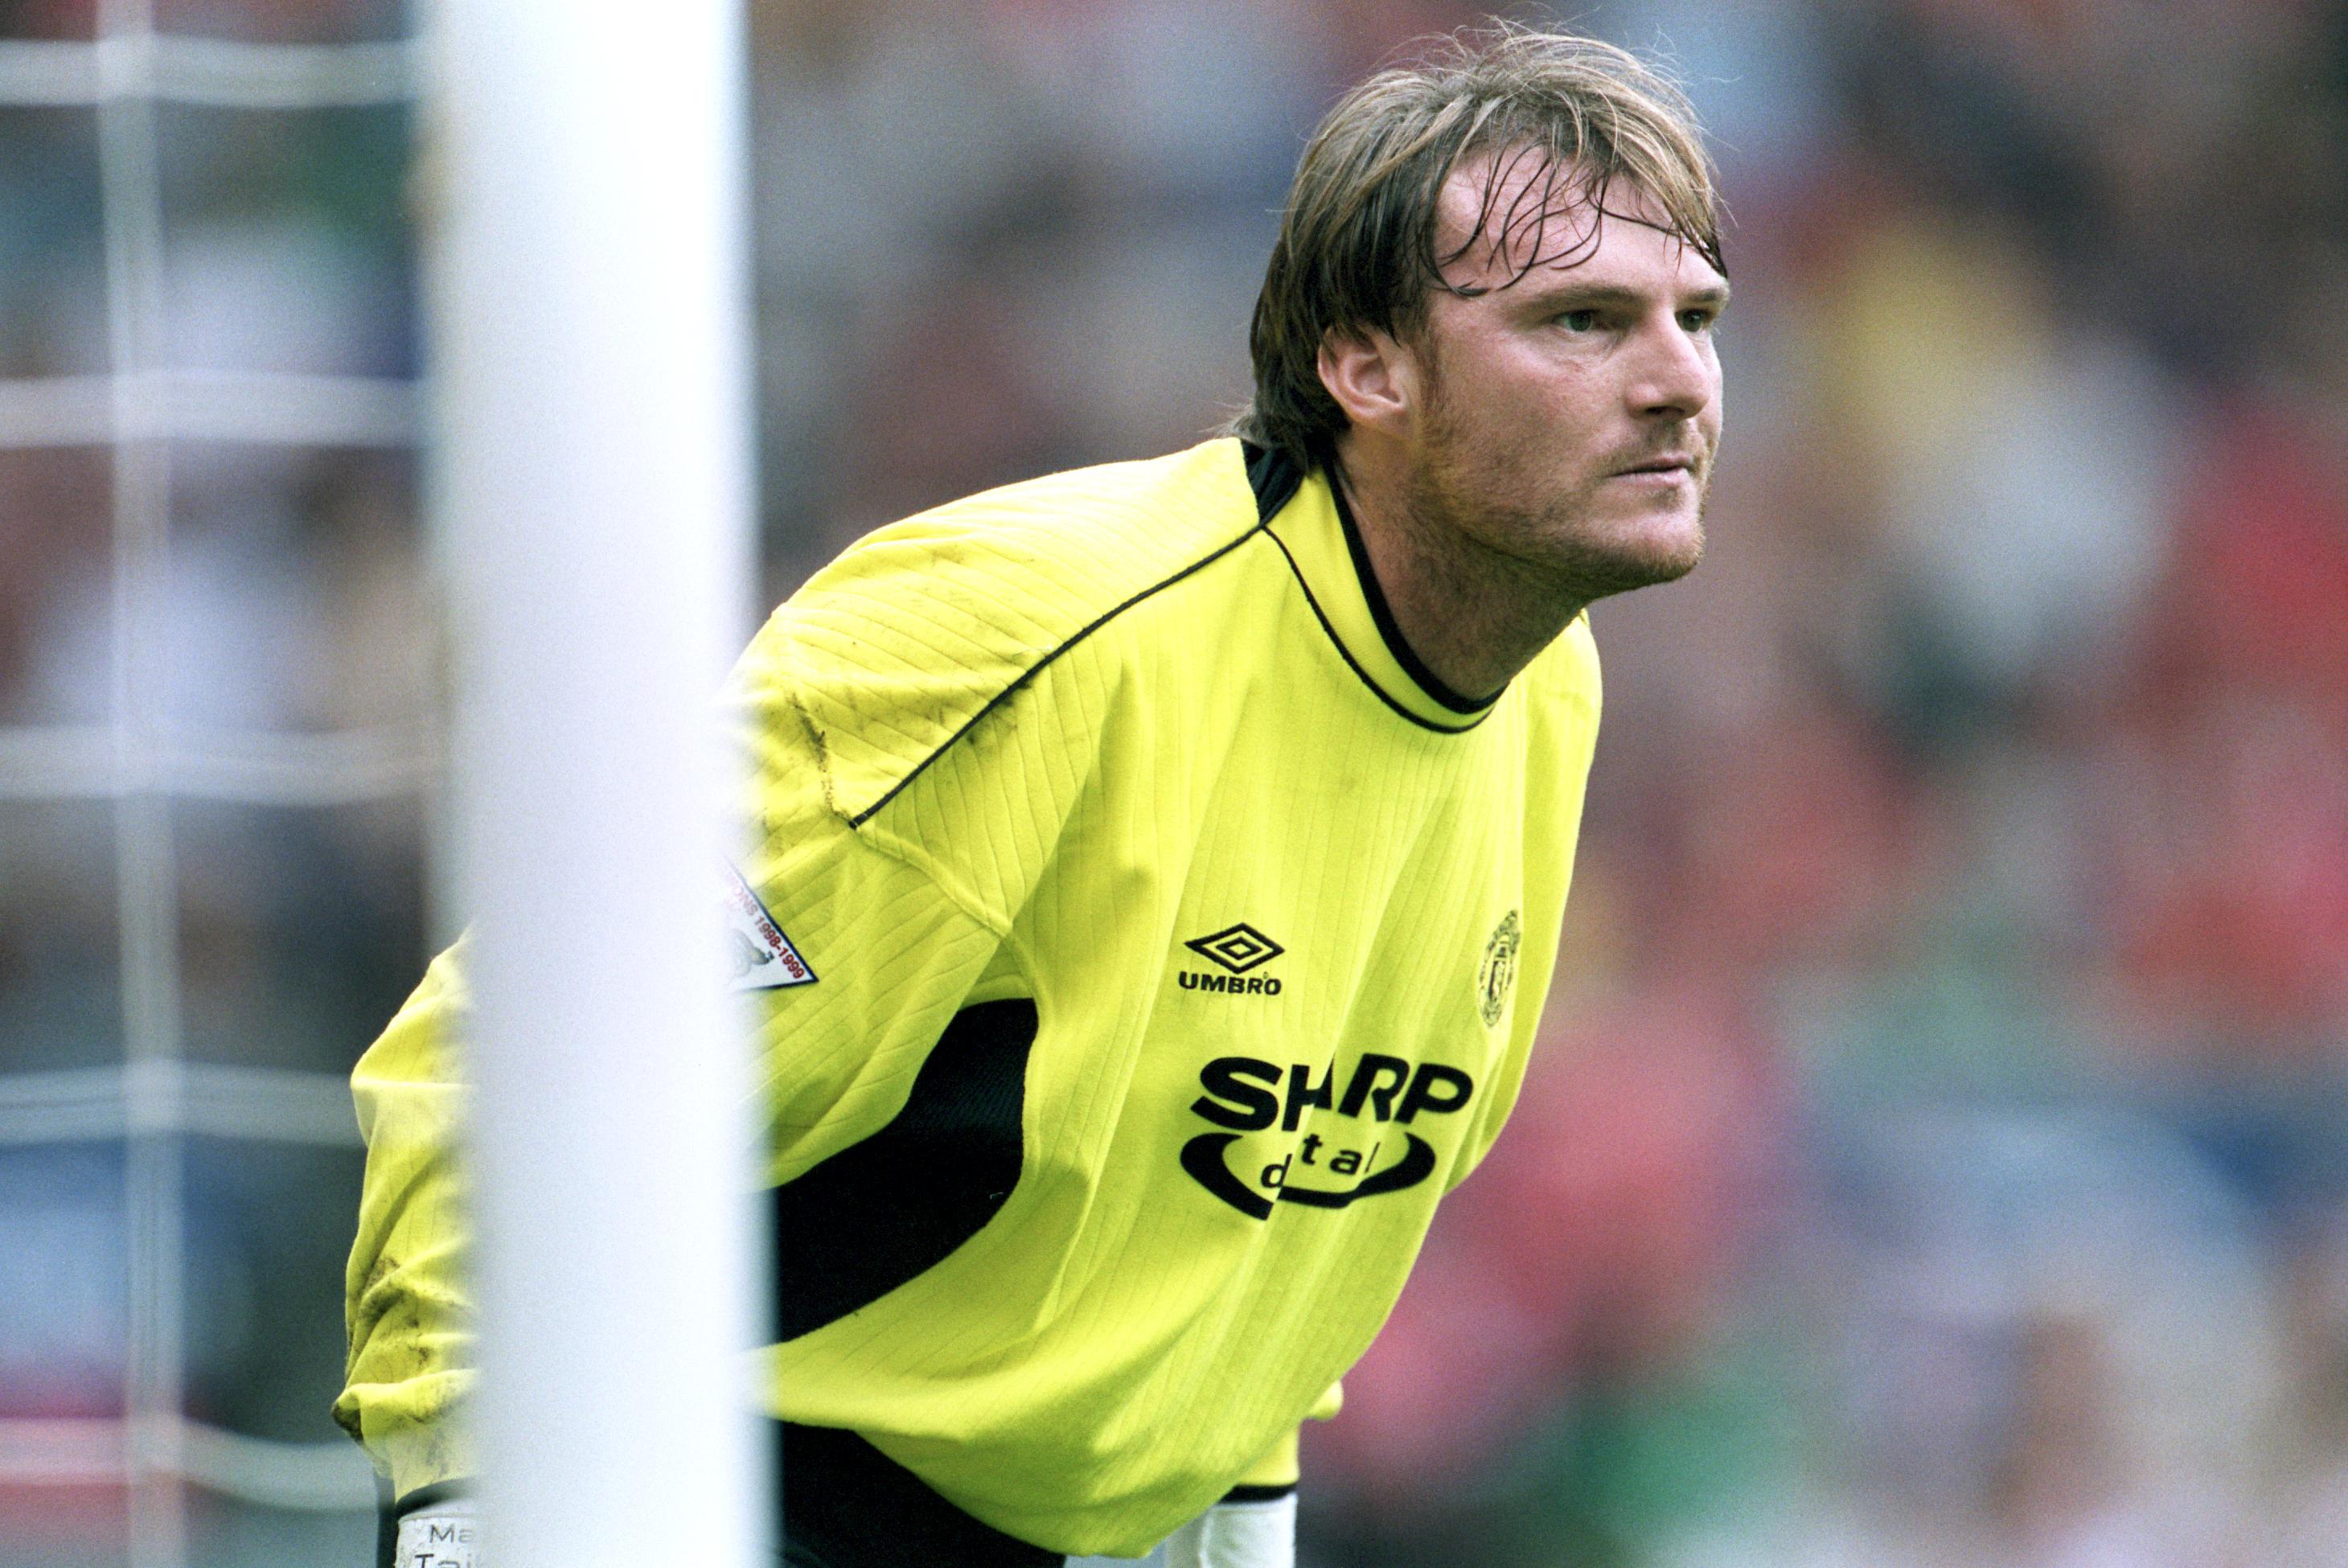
(437, 1535)
(1260, 1535)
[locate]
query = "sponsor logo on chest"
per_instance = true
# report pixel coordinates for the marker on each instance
(1364, 1142)
(1371, 1149)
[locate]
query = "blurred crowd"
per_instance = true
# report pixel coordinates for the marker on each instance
(1937, 1155)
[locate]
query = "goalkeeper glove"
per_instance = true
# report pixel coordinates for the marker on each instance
(1239, 1533)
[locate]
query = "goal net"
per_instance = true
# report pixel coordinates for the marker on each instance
(221, 747)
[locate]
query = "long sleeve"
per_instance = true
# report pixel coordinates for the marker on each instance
(406, 1305)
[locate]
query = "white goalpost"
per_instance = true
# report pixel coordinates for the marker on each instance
(590, 333)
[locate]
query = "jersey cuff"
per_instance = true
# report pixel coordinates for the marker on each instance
(1276, 1470)
(416, 1431)
(438, 1491)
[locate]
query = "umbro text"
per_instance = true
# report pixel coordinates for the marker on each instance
(1230, 985)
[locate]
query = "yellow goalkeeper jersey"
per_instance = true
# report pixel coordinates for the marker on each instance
(1140, 942)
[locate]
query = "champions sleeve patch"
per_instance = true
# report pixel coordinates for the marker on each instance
(762, 957)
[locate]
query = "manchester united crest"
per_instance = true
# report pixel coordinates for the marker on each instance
(1499, 968)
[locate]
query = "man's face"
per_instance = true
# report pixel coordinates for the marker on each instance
(1567, 420)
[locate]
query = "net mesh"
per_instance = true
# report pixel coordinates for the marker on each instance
(192, 1119)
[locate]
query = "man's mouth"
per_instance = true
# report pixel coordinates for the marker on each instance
(1671, 467)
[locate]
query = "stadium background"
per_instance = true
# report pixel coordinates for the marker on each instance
(1938, 1154)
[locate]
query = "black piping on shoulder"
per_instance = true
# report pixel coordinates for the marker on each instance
(1380, 611)
(857, 1225)
(1032, 671)
(1258, 1494)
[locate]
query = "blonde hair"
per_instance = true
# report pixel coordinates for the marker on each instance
(1357, 240)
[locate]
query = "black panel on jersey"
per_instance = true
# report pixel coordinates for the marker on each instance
(1274, 478)
(845, 1504)
(875, 1214)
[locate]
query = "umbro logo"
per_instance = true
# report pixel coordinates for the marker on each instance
(1238, 948)
(1235, 949)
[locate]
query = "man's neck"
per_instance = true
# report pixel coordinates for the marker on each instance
(1473, 616)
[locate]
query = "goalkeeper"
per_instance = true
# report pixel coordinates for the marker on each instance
(1157, 869)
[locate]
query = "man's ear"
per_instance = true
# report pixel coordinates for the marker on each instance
(1372, 376)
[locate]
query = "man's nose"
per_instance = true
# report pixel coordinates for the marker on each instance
(1675, 377)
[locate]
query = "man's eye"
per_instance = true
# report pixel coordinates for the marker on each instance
(1579, 321)
(1697, 320)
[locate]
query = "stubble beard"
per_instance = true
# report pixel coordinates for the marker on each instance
(1484, 513)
